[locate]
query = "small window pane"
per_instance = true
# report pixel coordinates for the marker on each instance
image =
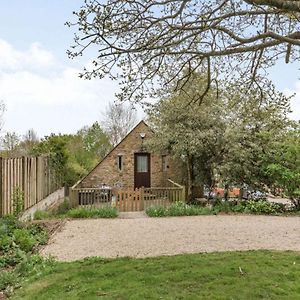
(164, 163)
(120, 162)
(142, 164)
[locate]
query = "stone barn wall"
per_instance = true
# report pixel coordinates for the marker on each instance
(107, 172)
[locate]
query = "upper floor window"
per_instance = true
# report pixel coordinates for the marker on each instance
(120, 163)
(164, 163)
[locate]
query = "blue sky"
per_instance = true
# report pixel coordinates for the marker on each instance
(40, 85)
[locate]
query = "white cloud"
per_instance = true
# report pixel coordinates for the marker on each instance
(61, 88)
(42, 93)
(34, 58)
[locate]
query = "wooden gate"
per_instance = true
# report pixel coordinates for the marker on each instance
(129, 200)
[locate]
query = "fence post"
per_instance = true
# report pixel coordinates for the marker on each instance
(183, 194)
(73, 197)
(142, 198)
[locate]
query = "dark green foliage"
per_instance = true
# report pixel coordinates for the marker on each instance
(259, 206)
(56, 147)
(73, 156)
(62, 208)
(64, 211)
(18, 201)
(250, 206)
(225, 137)
(263, 207)
(41, 215)
(24, 239)
(18, 241)
(177, 209)
(105, 212)
(156, 211)
(282, 166)
(8, 278)
(59, 212)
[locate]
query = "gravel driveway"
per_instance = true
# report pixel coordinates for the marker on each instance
(141, 237)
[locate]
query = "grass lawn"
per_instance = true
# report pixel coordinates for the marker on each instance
(230, 275)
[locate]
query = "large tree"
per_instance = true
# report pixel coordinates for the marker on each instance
(90, 146)
(29, 140)
(118, 120)
(147, 44)
(225, 137)
(72, 156)
(9, 143)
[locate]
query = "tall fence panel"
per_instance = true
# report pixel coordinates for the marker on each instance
(31, 176)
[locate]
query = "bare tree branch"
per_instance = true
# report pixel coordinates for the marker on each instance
(149, 44)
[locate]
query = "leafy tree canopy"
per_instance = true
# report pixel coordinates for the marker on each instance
(225, 136)
(282, 165)
(73, 156)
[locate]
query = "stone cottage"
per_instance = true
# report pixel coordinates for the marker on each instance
(131, 165)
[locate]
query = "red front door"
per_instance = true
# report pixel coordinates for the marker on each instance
(142, 170)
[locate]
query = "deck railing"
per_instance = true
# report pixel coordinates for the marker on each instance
(127, 199)
(162, 196)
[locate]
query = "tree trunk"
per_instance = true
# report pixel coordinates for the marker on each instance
(226, 192)
(191, 177)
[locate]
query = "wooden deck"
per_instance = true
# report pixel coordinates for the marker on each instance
(129, 199)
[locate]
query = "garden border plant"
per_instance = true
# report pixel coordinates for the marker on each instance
(19, 242)
(258, 206)
(65, 211)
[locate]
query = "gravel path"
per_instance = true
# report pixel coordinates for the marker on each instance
(142, 236)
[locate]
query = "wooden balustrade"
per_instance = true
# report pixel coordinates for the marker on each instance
(127, 199)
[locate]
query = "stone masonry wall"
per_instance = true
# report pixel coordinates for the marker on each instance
(107, 171)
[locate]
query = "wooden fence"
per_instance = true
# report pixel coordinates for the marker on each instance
(30, 176)
(127, 199)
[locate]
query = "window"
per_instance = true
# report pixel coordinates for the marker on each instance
(120, 163)
(142, 164)
(164, 163)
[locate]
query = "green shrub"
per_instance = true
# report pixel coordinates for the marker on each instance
(8, 223)
(30, 265)
(33, 264)
(24, 239)
(18, 242)
(7, 278)
(61, 211)
(81, 212)
(18, 201)
(11, 258)
(63, 208)
(263, 207)
(156, 211)
(41, 215)
(40, 234)
(239, 207)
(177, 209)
